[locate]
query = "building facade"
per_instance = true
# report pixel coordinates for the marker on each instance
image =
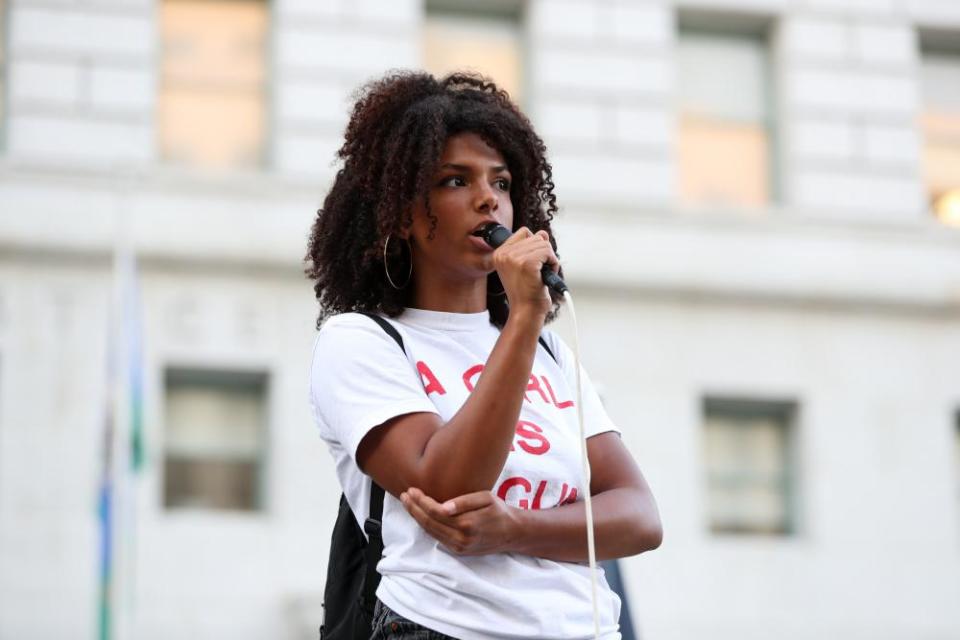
(759, 209)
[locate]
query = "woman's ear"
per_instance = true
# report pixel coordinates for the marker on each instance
(405, 232)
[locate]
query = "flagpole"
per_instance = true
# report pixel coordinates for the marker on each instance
(123, 450)
(105, 515)
(129, 440)
(121, 412)
(107, 494)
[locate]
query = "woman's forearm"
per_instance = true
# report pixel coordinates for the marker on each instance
(469, 451)
(625, 521)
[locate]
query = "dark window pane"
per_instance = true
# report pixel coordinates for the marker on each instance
(210, 484)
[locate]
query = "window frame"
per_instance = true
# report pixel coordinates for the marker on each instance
(933, 42)
(514, 11)
(270, 123)
(787, 413)
(228, 376)
(760, 28)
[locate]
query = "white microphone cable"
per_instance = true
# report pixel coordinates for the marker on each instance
(588, 503)
(495, 235)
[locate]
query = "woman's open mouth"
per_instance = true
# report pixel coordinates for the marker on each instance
(479, 242)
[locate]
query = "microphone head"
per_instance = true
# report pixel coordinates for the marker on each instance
(494, 234)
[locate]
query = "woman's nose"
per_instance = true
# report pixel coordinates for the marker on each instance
(487, 198)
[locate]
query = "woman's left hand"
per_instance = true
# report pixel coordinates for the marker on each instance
(472, 524)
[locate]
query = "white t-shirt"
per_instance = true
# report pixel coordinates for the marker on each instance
(361, 378)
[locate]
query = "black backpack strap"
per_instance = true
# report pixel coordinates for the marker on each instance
(374, 549)
(373, 527)
(388, 328)
(543, 343)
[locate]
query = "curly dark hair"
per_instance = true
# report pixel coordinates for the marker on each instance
(391, 149)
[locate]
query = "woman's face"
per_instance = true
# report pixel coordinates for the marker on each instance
(470, 188)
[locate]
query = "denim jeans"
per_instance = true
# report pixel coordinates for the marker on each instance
(389, 624)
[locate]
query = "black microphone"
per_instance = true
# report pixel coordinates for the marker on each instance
(496, 234)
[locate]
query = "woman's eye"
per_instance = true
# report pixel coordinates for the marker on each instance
(503, 184)
(453, 181)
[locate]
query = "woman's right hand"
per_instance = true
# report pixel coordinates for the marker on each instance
(467, 453)
(518, 262)
(474, 524)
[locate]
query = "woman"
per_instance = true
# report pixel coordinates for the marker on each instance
(471, 429)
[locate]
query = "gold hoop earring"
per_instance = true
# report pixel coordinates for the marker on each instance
(386, 269)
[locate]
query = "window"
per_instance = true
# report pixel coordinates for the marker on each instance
(465, 36)
(212, 109)
(940, 123)
(748, 453)
(214, 439)
(725, 119)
